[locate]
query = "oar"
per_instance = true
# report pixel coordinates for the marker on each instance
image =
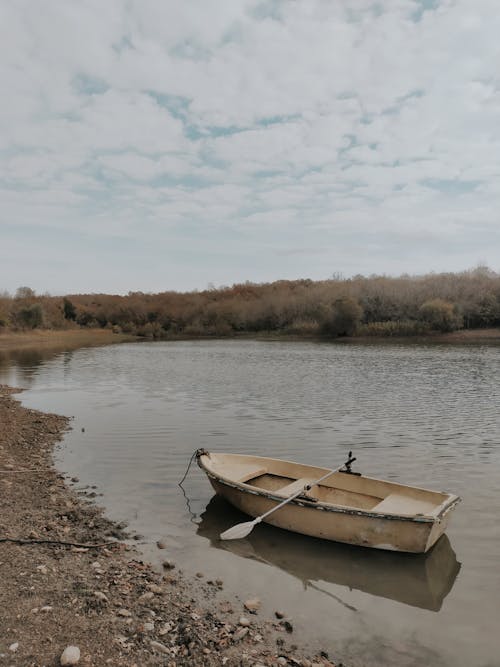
(244, 529)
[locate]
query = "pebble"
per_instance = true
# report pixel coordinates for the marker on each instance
(279, 614)
(100, 596)
(244, 621)
(146, 596)
(165, 629)
(70, 656)
(47, 608)
(252, 605)
(239, 634)
(124, 612)
(148, 627)
(161, 544)
(168, 564)
(42, 569)
(159, 647)
(13, 647)
(154, 588)
(282, 661)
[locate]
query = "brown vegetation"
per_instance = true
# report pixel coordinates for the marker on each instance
(363, 306)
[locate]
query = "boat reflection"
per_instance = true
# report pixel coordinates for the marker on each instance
(419, 580)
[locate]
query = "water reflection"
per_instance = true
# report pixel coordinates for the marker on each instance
(420, 580)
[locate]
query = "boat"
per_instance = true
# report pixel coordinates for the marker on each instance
(344, 507)
(418, 580)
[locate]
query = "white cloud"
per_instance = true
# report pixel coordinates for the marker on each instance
(313, 122)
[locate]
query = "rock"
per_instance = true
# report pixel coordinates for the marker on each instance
(42, 569)
(161, 544)
(281, 660)
(199, 575)
(13, 647)
(146, 596)
(252, 605)
(46, 609)
(168, 564)
(70, 656)
(75, 480)
(154, 588)
(158, 646)
(165, 629)
(101, 597)
(244, 621)
(148, 627)
(287, 625)
(279, 614)
(239, 634)
(124, 612)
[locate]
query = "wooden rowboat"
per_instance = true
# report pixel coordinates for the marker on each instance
(346, 507)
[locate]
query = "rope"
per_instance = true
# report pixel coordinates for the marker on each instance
(193, 456)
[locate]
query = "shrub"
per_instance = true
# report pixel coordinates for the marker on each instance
(440, 315)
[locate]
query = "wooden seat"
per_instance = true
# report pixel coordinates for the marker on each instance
(396, 503)
(251, 473)
(293, 487)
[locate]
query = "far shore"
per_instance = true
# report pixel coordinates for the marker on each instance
(53, 339)
(68, 339)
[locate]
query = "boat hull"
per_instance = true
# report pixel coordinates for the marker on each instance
(351, 525)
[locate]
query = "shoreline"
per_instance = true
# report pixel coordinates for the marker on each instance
(70, 576)
(71, 339)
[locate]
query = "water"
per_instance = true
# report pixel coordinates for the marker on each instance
(424, 415)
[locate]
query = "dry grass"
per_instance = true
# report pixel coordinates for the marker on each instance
(55, 340)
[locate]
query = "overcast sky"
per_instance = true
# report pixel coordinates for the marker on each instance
(169, 144)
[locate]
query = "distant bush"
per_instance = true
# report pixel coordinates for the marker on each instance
(344, 318)
(440, 315)
(30, 317)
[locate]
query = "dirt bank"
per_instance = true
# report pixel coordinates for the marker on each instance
(68, 339)
(58, 591)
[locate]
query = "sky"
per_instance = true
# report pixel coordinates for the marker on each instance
(174, 145)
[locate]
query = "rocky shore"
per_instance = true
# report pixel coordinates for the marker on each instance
(75, 591)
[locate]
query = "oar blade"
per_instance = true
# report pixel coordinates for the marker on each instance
(238, 532)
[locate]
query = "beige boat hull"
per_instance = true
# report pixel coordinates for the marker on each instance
(378, 530)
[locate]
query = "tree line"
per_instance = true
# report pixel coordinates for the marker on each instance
(358, 306)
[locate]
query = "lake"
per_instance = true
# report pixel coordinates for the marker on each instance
(427, 415)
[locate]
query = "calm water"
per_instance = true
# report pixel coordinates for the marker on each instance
(427, 415)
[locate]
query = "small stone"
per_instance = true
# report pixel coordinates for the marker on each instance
(46, 609)
(154, 588)
(100, 596)
(42, 569)
(199, 575)
(239, 634)
(70, 656)
(13, 647)
(168, 564)
(287, 625)
(244, 621)
(165, 629)
(252, 605)
(161, 544)
(148, 627)
(146, 596)
(124, 612)
(75, 479)
(279, 614)
(158, 646)
(282, 661)
(219, 583)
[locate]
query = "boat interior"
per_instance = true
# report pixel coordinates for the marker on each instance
(283, 479)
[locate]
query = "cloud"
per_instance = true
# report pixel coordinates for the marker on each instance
(235, 136)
